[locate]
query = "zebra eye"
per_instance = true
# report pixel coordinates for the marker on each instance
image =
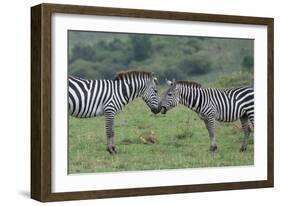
(155, 91)
(169, 94)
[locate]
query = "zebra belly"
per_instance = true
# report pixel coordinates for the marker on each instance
(226, 120)
(98, 111)
(228, 117)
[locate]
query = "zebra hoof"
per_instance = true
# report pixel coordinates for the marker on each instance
(114, 150)
(243, 149)
(111, 150)
(213, 148)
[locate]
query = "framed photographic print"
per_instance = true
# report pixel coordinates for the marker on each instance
(128, 102)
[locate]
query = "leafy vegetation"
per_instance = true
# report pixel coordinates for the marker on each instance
(97, 55)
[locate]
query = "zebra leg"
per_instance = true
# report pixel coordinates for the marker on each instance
(109, 124)
(246, 131)
(251, 118)
(210, 127)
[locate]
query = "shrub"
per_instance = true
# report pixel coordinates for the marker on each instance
(248, 63)
(141, 47)
(196, 64)
(235, 79)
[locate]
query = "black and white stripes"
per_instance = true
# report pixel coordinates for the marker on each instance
(90, 98)
(212, 104)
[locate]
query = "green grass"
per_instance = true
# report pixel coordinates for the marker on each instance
(181, 142)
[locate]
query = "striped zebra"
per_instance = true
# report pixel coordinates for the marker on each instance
(212, 104)
(90, 98)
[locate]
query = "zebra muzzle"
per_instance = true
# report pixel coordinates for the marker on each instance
(155, 111)
(163, 110)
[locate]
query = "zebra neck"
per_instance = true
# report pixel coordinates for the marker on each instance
(191, 97)
(132, 90)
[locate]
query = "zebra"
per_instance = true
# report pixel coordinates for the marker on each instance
(90, 98)
(225, 104)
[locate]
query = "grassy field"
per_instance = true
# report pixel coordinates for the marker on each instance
(181, 142)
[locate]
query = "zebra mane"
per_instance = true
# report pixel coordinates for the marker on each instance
(188, 83)
(122, 74)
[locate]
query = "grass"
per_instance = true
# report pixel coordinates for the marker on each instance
(181, 142)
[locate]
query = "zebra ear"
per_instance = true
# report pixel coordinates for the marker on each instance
(169, 82)
(155, 80)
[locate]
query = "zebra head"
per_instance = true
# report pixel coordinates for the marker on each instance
(150, 94)
(171, 97)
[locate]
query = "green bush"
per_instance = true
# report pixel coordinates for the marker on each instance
(97, 55)
(235, 79)
(141, 45)
(82, 68)
(196, 64)
(248, 63)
